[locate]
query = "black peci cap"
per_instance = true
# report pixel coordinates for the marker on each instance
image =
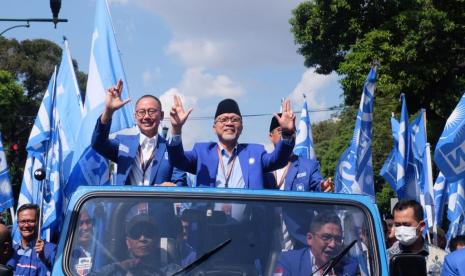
(274, 122)
(227, 106)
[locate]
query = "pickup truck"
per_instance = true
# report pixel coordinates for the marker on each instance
(114, 230)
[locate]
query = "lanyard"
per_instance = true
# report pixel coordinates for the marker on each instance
(227, 175)
(283, 177)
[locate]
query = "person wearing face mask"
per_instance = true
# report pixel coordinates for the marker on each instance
(408, 228)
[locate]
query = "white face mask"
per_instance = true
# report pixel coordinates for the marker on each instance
(406, 235)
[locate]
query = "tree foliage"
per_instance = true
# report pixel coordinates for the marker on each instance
(25, 70)
(419, 44)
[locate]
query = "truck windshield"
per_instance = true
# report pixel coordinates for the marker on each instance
(210, 236)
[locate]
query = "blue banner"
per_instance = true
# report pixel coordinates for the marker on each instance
(354, 172)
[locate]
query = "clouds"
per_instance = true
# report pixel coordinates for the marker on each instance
(198, 86)
(228, 34)
(318, 91)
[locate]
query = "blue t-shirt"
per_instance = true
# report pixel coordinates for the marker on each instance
(26, 262)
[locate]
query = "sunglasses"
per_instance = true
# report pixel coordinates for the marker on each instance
(139, 230)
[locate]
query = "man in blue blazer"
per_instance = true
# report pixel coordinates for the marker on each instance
(300, 174)
(454, 264)
(139, 152)
(228, 164)
(324, 241)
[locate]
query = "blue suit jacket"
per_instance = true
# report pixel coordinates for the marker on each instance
(454, 264)
(297, 262)
(303, 175)
(123, 150)
(254, 160)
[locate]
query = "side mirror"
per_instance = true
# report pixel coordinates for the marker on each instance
(407, 264)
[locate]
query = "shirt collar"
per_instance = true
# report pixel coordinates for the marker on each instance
(224, 152)
(143, 140)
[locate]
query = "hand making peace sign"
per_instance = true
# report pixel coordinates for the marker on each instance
(178, 116)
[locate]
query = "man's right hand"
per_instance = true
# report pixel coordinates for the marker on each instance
(113, 101)
(178, 116)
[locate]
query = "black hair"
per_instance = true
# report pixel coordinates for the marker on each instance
(410, 203)
(456, 241)
(29, 206)
(150, 96)
(324, 218)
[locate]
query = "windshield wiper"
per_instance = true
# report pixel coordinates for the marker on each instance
(202, 258)
(331, 263)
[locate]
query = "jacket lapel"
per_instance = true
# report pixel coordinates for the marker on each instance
(160, 150)
(128, 149)
(291, 175)
(244, 162)
(213, 165)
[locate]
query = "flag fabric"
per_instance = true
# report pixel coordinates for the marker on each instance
(456, 209)
(69, 110)
(389, 169)
(105, 69)
(51, 143)
(403, 153)
(304, 141)
(423, 170)
(449, 154)
(6, 193)
(37, 147)
(354, 172)
(440, 198)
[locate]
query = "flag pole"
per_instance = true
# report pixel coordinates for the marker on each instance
(430, 183)
(13, 217)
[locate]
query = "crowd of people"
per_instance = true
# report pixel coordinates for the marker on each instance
(144, 157)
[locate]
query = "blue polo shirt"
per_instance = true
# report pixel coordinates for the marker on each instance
(26, 262)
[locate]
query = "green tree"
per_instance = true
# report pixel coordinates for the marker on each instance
(419, 44)
(13, 128)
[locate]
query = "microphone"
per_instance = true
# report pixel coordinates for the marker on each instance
(39, 174)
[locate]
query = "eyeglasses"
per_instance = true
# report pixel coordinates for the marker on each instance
(224, 120)
(151, 111)
(26, 222)
(328, 238)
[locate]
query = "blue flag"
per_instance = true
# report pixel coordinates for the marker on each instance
(69, 110)
(6, 194)
(456, 209)
(304, 141)
(354, 172)
(105, 69)
(37, 147)
(449, 154)
(51, 144)
(389, 169)
(405, 181)
(440, 198)
(421, 154)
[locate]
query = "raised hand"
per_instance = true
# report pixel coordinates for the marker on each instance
(178, 116)
(287, 119)
(113, 101)
(327, 185)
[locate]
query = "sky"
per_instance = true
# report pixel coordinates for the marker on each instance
(202, 50)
